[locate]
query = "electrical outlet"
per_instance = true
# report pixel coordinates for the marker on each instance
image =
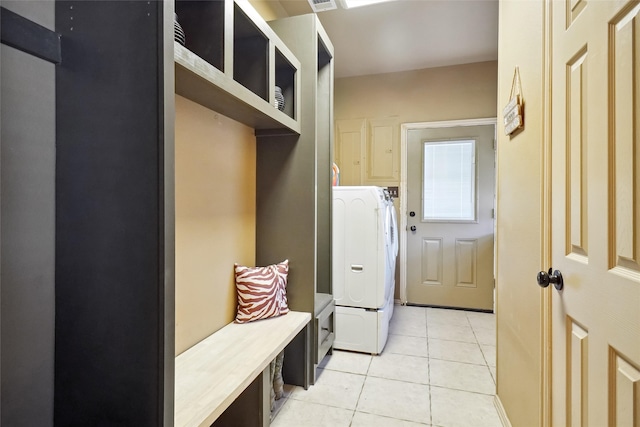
(393, 191)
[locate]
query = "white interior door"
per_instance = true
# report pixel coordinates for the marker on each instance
(596, 213)
(450, 200)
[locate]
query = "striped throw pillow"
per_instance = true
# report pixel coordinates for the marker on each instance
(261, 291)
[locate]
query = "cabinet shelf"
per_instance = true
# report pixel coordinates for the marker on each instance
(232, 63)
(204, 84)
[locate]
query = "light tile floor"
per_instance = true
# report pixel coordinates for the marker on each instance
(437, 369)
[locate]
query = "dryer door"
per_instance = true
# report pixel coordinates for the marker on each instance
(391, 233)
(394, 231)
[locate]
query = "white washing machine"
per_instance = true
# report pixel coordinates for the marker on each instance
(364, 253)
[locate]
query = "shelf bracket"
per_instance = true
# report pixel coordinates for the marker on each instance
(25, 35)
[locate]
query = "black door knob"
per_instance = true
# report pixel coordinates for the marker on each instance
(554, 277)
(412, 228)
(412, 214)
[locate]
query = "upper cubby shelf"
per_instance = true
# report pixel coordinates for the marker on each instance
(233, 63)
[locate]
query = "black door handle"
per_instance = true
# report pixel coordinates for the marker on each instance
(412, 228)
(554, 277)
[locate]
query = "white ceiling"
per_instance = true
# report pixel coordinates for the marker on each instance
(408, 34)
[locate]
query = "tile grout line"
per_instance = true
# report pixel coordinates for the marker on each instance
(484, 356)
(426, 316)
(366, 375)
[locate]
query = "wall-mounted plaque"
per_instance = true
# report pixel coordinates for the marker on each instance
(513, 113)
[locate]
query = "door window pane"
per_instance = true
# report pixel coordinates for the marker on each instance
(449, 181)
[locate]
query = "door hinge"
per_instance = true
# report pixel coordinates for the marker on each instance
(493, 213)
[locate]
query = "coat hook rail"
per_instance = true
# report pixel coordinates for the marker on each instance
(29, 37)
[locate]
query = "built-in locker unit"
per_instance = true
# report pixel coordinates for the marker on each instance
(294, 186)
(231, 63)
(114, 214)
(87, 201)
(88, 192)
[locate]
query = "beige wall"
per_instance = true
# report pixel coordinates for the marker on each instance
(520, 239)
(215, 186)
(433, 94)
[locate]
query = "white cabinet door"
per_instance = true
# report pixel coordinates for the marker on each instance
(383, 152)
(349, 150)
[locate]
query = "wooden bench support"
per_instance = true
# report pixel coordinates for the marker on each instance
(296, 369)
(252, 408)
(225, 380)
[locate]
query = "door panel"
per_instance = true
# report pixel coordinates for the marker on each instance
(450, 263)
(595, 215)
(625, 184)
(577, 363)
(576, 155)
(466, 258)
(432, 250)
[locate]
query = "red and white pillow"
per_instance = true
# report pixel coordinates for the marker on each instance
(261, 291)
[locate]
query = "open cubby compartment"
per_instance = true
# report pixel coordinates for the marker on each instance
(250, 54)
(229, 64)
(285, 79)
(203, 23)
(324, 55)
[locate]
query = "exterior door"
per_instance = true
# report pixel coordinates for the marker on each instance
(450, 201)
(595, 213)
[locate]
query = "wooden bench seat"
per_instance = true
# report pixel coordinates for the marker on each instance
(211, 375)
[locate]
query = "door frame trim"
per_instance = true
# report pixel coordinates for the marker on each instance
(402, 225)
(546, 415)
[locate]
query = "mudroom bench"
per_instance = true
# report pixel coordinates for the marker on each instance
(225, 379)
